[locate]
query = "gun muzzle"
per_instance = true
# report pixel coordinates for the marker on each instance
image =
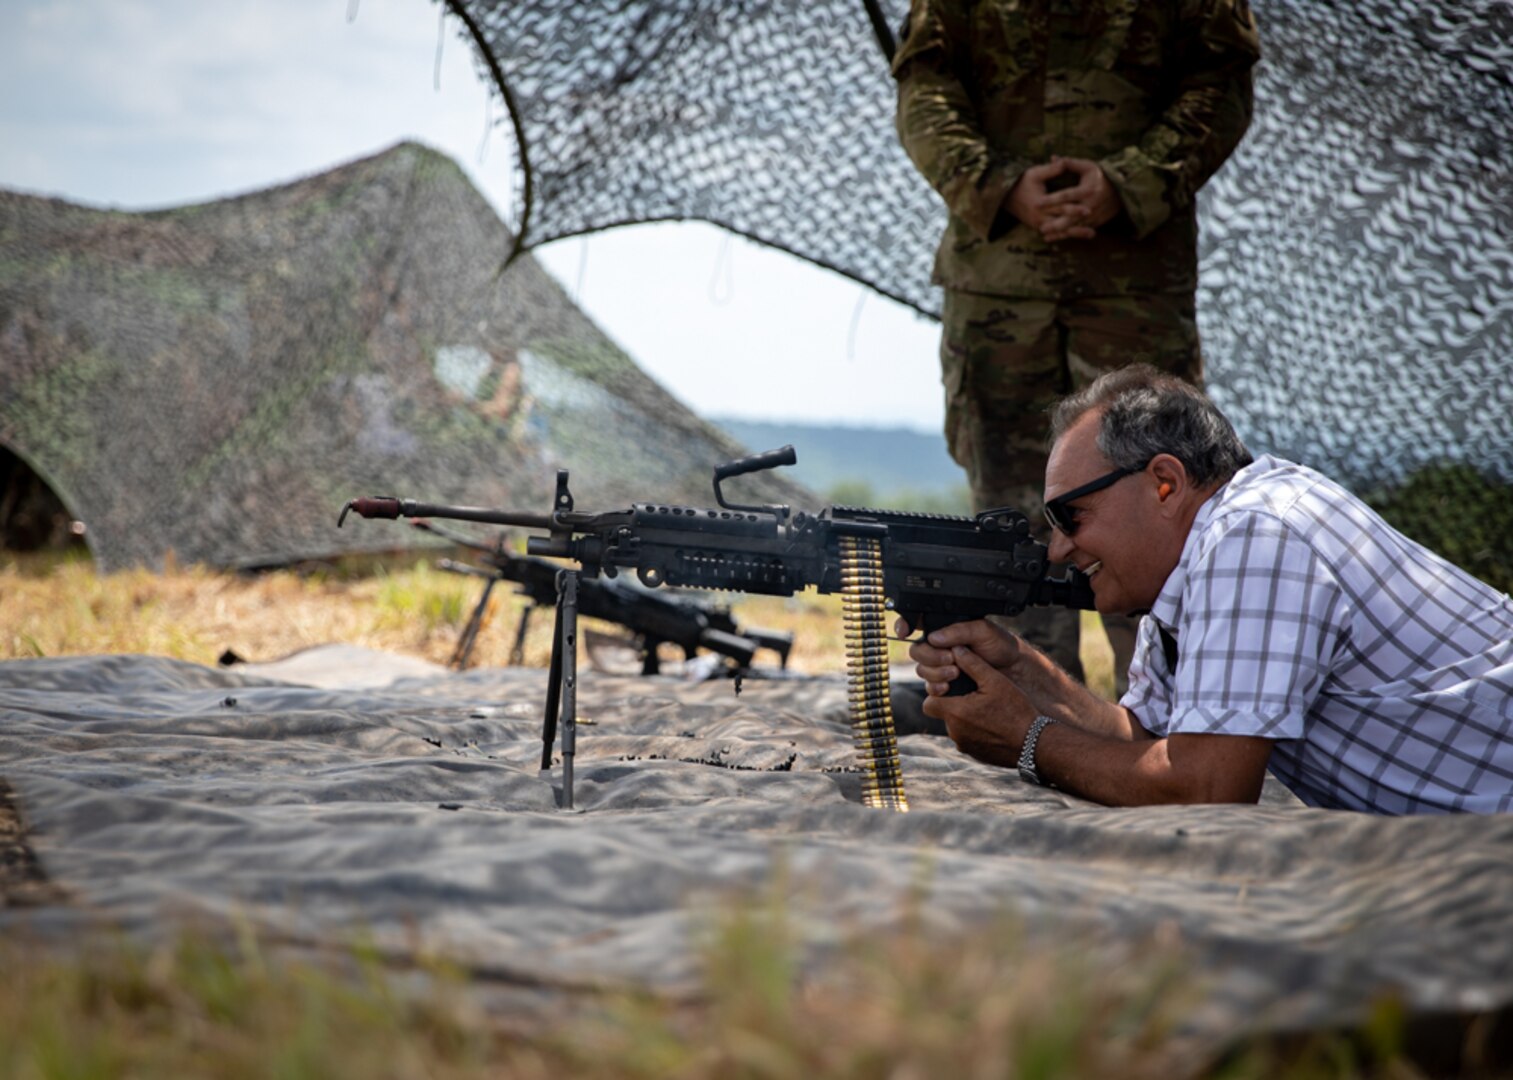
(382, 506)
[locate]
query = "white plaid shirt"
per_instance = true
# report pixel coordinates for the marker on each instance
(1384, 673)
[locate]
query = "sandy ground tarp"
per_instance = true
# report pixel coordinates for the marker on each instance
(156, 791)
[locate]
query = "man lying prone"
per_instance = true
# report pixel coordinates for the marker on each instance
(1286, 625)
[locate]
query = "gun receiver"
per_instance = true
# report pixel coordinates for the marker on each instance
(933, 570)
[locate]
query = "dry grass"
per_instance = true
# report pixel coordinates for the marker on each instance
(53, 607)
(195, 614)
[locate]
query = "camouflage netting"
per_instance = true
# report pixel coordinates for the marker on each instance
(1358, 249)
(217, 380)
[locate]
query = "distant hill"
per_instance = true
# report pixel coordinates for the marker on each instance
(894, 467)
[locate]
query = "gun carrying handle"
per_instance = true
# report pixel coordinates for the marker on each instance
(768, 459)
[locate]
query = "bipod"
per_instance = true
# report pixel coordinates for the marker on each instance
(469, 636)
(562, 684)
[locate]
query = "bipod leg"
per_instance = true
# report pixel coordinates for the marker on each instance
(517, 654)
(562, 688)
(469, 636)
(553, 692)
(651, 663)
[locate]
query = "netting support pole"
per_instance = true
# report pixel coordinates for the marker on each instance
(881, 28)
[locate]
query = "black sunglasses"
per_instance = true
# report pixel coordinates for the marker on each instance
(1063, 516)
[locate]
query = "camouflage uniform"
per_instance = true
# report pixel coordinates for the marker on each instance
(1158, 92)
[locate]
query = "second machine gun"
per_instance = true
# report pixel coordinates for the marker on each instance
(934, 570)
(653, 619)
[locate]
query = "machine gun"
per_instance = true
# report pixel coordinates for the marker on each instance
(653, 618)
(934, 570)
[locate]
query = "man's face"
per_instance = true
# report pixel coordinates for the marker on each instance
(1122, 541)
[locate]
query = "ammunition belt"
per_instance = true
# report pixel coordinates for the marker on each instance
(867, 672)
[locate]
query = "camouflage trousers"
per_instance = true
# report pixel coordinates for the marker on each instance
(1005, 363)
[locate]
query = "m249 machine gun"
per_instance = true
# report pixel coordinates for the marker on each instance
(654, 619)
(934, 570)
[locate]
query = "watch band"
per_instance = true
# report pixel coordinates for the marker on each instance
(1027, 771)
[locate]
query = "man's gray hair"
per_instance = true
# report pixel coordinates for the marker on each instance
(1148, 412)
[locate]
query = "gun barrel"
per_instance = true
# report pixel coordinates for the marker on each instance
(524, 519)
(429, 526)
(389, 507)
(451, 566)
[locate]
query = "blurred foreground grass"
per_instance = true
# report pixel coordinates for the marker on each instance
(908, 1004)
(51, 606)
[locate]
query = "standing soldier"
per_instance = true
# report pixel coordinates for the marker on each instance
(1068, 139)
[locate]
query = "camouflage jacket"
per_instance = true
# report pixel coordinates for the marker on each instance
(1158, 92)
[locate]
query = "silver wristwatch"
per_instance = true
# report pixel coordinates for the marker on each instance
(1027, 771)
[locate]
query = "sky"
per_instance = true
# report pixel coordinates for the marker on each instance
(144, 104)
